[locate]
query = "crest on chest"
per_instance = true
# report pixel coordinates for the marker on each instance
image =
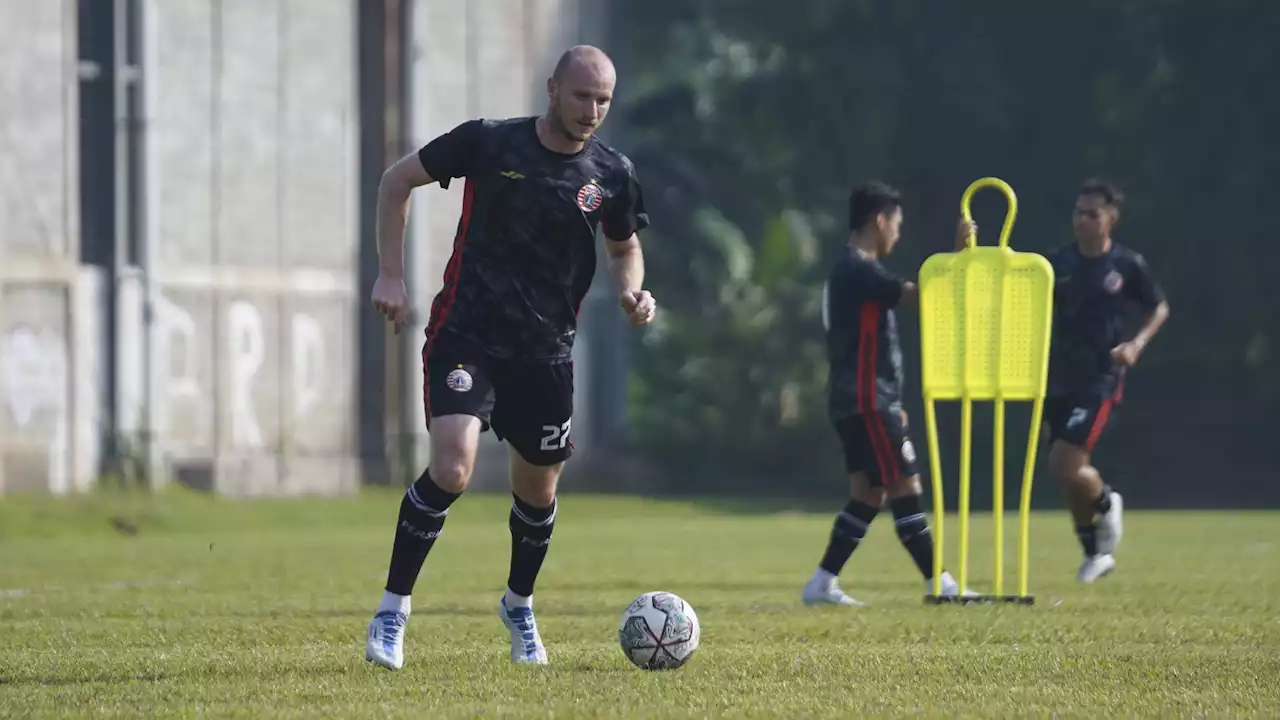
(1112, 282)
(590, 196)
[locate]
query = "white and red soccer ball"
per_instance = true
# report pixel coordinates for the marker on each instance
(659, 631)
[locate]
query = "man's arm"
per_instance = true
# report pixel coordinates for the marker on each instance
(876, 284)
(1152, 325)
(626, 264)
(624, 217)
(965, 229)
(626, 268)
(451, 155)
(394, 190)
(448, 156)
(1143, 288)
(910, 299)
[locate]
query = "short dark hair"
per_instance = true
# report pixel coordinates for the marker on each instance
(1105, 189)
(869, 200)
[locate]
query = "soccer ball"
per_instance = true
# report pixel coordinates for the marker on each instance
(659, 631)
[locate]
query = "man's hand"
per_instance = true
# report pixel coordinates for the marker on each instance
(392, 300)
(1126, 353)
(639, 306)
(964, 230)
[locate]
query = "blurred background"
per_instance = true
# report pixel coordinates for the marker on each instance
(187, 193)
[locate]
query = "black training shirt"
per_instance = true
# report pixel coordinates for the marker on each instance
(1093, 300)
(865, 357)
(524, 255)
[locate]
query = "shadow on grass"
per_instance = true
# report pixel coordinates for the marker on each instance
(630, 585)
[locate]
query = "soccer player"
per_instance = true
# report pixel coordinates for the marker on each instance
(1098, 283)
(498, 344)
(865, 388)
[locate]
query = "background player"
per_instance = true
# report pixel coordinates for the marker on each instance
(498, 345)
(1098, 283)
(865, 388)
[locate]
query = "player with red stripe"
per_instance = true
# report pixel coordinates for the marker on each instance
(498, 351)
(1099, 282)
(865, 390)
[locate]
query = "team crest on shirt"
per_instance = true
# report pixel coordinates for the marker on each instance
(590, 197)
(459, 380)
(1113, 282)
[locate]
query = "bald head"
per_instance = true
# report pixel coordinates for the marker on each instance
(583, 58)
(579, 93)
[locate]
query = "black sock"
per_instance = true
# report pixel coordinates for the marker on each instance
(847, 531)
(913, 530)
(422, 514)
(1088, 535)
(1103, 503)
(531, 529)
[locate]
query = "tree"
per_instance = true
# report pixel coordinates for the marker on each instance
(755, 118)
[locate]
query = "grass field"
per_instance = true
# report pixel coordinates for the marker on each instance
(136, 607)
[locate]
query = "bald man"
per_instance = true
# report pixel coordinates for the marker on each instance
(498, 344)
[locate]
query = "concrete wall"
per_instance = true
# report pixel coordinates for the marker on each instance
(242, 378)
(235, 321)
(47, 345)
(236, 313)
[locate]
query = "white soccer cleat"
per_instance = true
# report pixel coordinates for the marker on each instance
(1099, 565)
(950, 588)
(526, 643)
(385, 644)
(1111, 526)
(818, 593)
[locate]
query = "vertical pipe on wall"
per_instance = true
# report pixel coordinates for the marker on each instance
(396, 26)
(403, 56)
(123, 416)
(147, 189)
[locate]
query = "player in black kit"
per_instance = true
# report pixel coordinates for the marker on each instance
(865, 390)
(1098, 283)
(498, 344)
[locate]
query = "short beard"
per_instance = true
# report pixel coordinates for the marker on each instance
(560, 127)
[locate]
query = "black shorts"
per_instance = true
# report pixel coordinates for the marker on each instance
(527, 404)
(1078, 418)
(877, 444)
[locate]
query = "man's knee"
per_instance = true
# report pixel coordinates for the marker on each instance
(454, 441)
(864, 492)
(907, 487)
(534, 484)
(1066, 461)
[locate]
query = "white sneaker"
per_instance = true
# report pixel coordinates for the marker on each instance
(819, 593)
(385, 644)
(950, 588)
(526, 643)
(1099, 565)
(1111, 526)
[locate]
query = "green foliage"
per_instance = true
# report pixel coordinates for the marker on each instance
(735, 366)
(750, 120)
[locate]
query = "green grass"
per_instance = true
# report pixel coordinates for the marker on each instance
(218, 608)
